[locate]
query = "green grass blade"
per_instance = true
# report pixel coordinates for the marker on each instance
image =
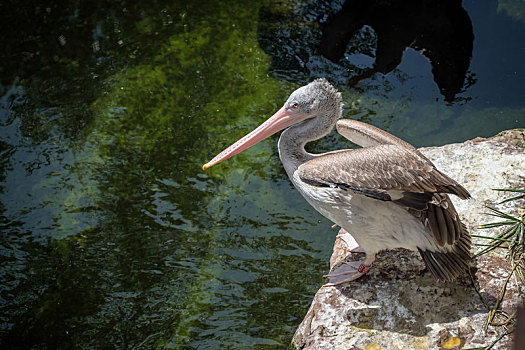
(516, 190)
(499, 213)
(512, 190)
(492, 238)
(498, 224)
(512, 199)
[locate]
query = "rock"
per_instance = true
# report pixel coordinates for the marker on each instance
(399, 305)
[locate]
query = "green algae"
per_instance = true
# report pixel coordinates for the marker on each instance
(160, 121)
(513, 8)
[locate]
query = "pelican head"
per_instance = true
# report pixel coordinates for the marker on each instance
(317, 99)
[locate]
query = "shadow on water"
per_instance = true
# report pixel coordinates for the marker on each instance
(442, 32)
(374, 31)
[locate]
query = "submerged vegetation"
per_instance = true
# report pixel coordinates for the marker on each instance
(139, 246)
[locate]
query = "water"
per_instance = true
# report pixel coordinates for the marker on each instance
(113, 237)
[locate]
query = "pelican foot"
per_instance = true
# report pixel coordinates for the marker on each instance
(346, 272)
(349, 271)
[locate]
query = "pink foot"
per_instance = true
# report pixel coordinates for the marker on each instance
(349, 271)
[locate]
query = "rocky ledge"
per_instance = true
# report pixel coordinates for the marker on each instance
(399, 305)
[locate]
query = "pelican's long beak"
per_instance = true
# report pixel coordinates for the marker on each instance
(279, 121)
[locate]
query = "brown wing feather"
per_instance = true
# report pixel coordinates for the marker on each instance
(398, 174)
(383, 167)
(447, 265)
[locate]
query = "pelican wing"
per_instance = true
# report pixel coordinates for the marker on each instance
(379, 169)
(396, 173)
(366, 135)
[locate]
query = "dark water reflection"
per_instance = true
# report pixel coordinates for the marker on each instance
(110, 233)
(441, 31)
(364, 38)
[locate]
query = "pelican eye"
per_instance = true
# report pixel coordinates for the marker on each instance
(294, 105)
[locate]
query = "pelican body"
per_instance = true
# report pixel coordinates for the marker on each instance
(384, 195)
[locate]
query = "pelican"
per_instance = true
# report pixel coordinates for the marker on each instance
(384, 195)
